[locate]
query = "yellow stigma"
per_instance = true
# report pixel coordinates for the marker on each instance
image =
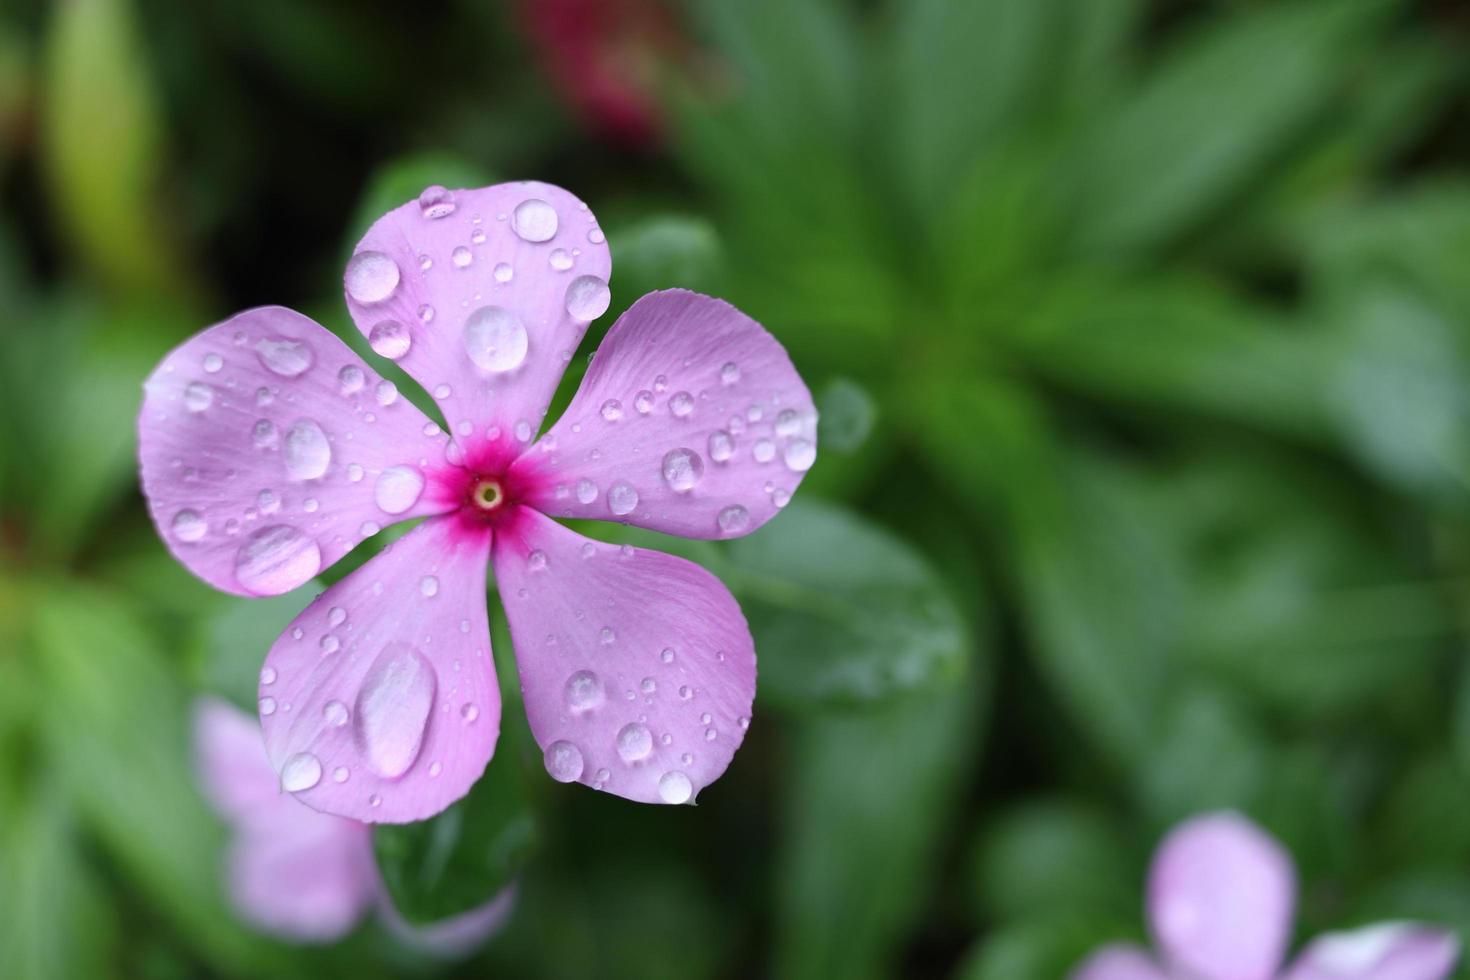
(487, 495)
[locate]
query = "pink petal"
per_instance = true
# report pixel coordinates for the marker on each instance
(291, 871)
(456, 936)
(268, 452)
(1120, 962)
(1387, 951)
(637, 667)
(1221, 895)
(493, 289)
(691, 420)
(379, 701)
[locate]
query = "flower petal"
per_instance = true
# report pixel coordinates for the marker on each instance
(269, 450)
(637, 667)
(1386, 951)
(379, 701)
(1221, 896)
(292, 872)
(691, 421)
(456, 936)
(1118, 962)
(482, 295)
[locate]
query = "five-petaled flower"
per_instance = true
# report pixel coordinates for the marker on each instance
(1221, 896)
(306, 876)
(269, 450)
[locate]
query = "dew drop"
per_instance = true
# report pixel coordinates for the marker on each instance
(560, 260)
(351, 379)
(682, 469)
(800, 455)
(586, 491)
(284, 356)
(612, 410)
(729, 373)
(390, 339)
(622, 499)
(606, 636)
(336, 713)
(495, 339)
(681, 404)
(564, 761)
(267, 676)
(470, 714)
(643, 402)
(213, 363)
(436, 202)
(429, 586)
(674, 787)
(534, 220)
(371, 277)
(187, 525)
(307, 452)
(267, 706)
(788, 423)
(667, 656)
(301, 772)
(537, 561)
(276, 559)
(198, 396)
(733, 519)
(584, 691)
(387, 393)
(634, 742)
(504, 273)
(340, 774)
(721, 446)
(764, 451)
(265, 435)
(461, 257)
(336, 616)
(393, 709)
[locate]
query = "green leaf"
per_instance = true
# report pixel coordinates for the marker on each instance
(1211, 754)
(868, 796)
(1042, 948)
(466, 855)
(847, 414)
(663, 251)
(233, 640)
(102, 138)
(842, 611)
(1219, 110)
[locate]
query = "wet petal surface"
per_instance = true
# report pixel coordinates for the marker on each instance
(379, 701)
(1387, 951)
(265, 444)
(637, 667)
(482, 295)
(691, 420)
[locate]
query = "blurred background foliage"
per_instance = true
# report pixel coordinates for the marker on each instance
(1141, 334)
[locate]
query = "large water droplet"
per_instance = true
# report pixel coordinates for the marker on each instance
(436, 202)
(198, 396)
(387, 392)
(187, 525)
(682, 469)
(586, 491)
(393, 709)
(635, 741)
(398, 488)
(733, 519)
(351, 379)
(284, 356)
(621, 499)
(587, 298)
(390, 339)
(276, 559)
(307, 452)
(495, 339)
(371, 277)
(674, 787)
(721, 446)
(302, 771)
(462, 257)
(800, 455)
(336, 713)
(681, 404)
(643, 401)
(584, 691)
(564, 761)
(504, 273)
(534, 220)
(612, 410)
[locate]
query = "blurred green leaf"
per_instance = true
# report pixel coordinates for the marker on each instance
(1211, 754)
(867, 801)
(664, 251)
(103, 139)
(463, 857)
(234, 639)
(1042, 948)
(841, 610)
(847, 413)
(1218, 111)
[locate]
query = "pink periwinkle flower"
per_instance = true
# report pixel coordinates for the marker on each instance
(269, 450)
(1221, 897)
(302, 875)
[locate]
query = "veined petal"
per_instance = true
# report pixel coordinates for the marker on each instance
(269, 450)
(691, 421)
(1386, 951)
(638, 668)
(482, 295)
(291, 871)
(1119, 962)
(379, 702)
(1221, 896)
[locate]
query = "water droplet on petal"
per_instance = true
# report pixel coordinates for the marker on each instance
(276, 559)
(682, 469)
(495, 339)
(681, 404)
(436, 202)
(721, 446)
(336, 713)
(393, 709)
(764, 451)
(586, 491)
(387, 393)
(340, 774)
(622, 499)
(307, 452)
(198, 396)
(733, 519)
(560, 260)
(301, 772)
(371, 277)
(634, 742)
(674, 787)
(612, 410)
(187, 525)
(643, 402)
(537, 561)
(534, 220)
(351, 379)
(265, 435)
(584, 691)
(390, 339)
(213, 363)
(729, 373)
(284, 356)
(564, 761)
(666, 655)
(462, 257)
(429, 586)
(267, 706)
(800, 455)
(267, 676)
(470, 714)
(504, 273)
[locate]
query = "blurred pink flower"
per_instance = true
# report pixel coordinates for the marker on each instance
(1221, 897)
(299, 874)
(269, 450)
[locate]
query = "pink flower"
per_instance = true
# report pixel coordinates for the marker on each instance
(298, 874)
(1221, 896)
(269, 450)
